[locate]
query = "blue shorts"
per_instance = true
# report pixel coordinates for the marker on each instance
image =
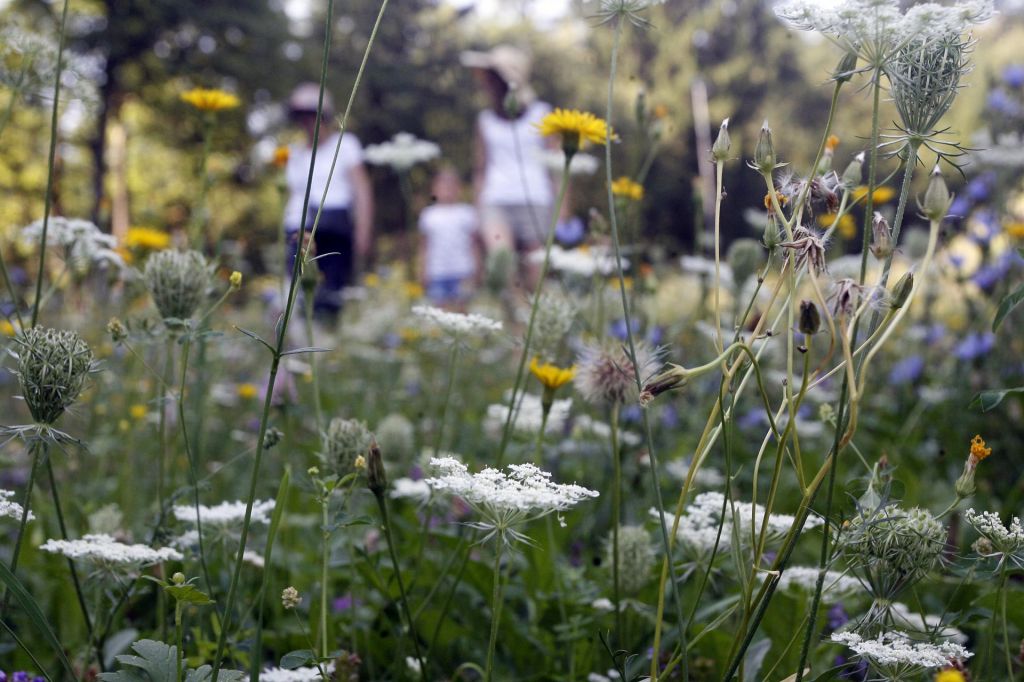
(445, 289)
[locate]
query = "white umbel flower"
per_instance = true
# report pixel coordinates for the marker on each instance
(83, 241)
(895, 654)
(805, 578)
(11, 509)
(457, 323)
(403, 152)
(300, 674)
(580, 262)
(528, 416)
(406, 488)
(1007, 541)
(104, 550)
(509, 498)
(225, 513)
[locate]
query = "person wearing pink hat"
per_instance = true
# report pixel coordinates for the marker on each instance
(514, 189)
(346, 218)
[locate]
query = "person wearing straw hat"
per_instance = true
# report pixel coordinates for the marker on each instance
(514, 190)
(346, 216)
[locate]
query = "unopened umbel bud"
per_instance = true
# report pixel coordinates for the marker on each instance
(881, 237)
(937, 198)
(764, 153)
(901, 291)
(810, 318)
(853, 173)
(845, 68)
(720, 149)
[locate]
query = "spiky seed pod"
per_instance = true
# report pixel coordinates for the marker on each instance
(52, 366)
(396, 436)
(343, 441)
(636, 558)
(177, 281)
(925, 79)
(605, 374)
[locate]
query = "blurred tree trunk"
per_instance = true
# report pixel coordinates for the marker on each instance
(109, 106)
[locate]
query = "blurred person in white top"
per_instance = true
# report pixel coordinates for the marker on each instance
(449, 253)
(346, 219)
(514, 190)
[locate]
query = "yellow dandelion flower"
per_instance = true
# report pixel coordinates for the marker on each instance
(413, 290)
(950, 675)
(146, 239)
(210, 99)
(7, 329)
(551, 376)
(978, 449)
(247, 391)
(847, 226)
(138, 412)
(627, 188)
(832, 143)
(882, 194)
(575, 128)
(281, 155)
(1015, 229)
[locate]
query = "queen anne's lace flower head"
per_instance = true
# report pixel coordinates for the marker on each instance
(895, 655)
(103, 550)
(300, 674)
(999, 539)
(835, 586)
(403, 152)
(407, 488)
(83, 242)
(527, 417)
(225, 513)
(11, 509)
(507, 498)
(457, 323)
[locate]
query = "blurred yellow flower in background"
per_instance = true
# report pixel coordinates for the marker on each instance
(847, 226)
(281, 156)
(1015, 229)
(247, 391)
(210, 99)
(882, 194)
(7, 329)
(138, 411)
(146, 239)
(627, 188)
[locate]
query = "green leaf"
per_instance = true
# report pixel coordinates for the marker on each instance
(988, 400)
(155, 662)
(298, 658)
(1007, 305)
(35, 615)
(190, 594)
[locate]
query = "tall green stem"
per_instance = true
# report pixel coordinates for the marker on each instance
(616, 518)
(199, 221)
(325, 550)
(382, 503)
(48, 197)
(495, 608)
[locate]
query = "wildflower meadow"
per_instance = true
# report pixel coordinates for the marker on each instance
(595, 341)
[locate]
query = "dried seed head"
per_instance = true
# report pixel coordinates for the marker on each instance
(342, 442)
(881, 237)
(605, 374)
(555, 317)
(117, 330)
(810, 319)
(52, 366)
(897, 546)
(808, 248)
(177, 280)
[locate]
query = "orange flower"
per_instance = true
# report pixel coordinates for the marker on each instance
(281, 155)
(831, 143)
(978, 449)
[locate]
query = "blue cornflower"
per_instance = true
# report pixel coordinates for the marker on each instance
(907, 370)
(975, 345)
(1013, 75)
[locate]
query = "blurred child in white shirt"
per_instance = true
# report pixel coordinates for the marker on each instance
(449, 242)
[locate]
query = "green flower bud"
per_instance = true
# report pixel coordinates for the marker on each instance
(376, 477)
(901, 291)
(177, 281)
(937, 198)
(810, 319)
(845, 68)
(117, 330)
(745, 256)
(52, 367)
(720, 150)
(178, 578)
(764, 153)
(342, 442)
(854, 172)
(882, 245)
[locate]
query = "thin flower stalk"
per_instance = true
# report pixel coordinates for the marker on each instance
(277, 351)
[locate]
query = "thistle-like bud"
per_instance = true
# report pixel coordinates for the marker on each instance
(745, 256)
(117, 330)
(937, 198)
(342, 442)
(376, 477)
(52, 366)
(771, 237)
(177, 281)
(881, 237)
(178, 578)
(290, 598)
(555, 317)
(396, 436)
(720, 149)
(901, 291)
(764, 153)
(810, 319)
(845, 68)
(896, 547)
(636, 558)
(854, 171)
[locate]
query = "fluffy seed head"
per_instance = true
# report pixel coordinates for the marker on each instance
(605, 374)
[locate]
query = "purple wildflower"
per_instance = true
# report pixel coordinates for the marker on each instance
(975, 345)
(1013, 75)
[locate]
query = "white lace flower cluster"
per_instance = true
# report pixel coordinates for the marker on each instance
(895, 653)
(698, 527)
(84, 243)
(403, 152)
(580, 262)
(408, 489)
(835, 585)
(527, 417)
(11, 509)
(300, 674)
(875, 28)
(104, 550)
(1005, 540)
(225, 513)
(507, 498)
(457, 323)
